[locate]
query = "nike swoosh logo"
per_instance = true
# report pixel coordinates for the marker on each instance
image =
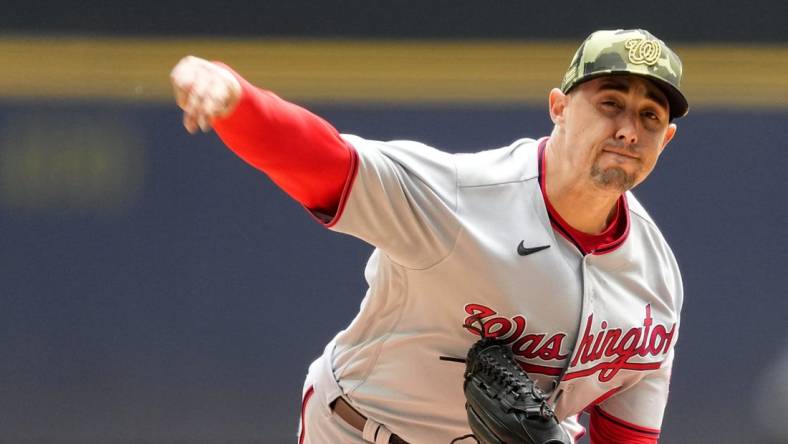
(522, 250)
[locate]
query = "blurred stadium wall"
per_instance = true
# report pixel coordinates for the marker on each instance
(154, 289)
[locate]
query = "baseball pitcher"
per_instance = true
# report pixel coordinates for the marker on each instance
(510, 290)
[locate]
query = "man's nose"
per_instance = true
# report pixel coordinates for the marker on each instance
(628, 129)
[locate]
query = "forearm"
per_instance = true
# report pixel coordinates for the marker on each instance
(302, 153)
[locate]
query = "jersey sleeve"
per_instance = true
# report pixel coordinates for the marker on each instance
(302, 153)
(634, 415)
(403, 201)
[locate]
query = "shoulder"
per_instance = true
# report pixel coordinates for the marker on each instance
(405, 158)
(404, 168)
(403, 151)
(517, 162)
(651, 241)
(639, 216)
(636, 209)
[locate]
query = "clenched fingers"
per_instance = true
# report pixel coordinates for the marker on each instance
(204, 91)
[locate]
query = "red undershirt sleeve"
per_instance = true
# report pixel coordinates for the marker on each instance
(302, 153)
(604, 428)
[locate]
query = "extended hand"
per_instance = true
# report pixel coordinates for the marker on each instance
(204, 91)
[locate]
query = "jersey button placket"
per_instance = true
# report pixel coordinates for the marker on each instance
(589, 289)
(586, 300)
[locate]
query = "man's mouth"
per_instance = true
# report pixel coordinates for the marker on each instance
(622, 153)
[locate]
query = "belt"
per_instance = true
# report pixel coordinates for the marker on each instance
(358, 421)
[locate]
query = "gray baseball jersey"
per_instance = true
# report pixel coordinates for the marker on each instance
(457, 237)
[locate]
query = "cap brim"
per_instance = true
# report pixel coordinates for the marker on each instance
(679, 107)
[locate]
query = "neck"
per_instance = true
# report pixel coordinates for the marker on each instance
(580, 202)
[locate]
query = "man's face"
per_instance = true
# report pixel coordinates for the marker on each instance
(615, 128)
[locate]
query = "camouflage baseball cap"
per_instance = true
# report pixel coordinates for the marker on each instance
(629, 51)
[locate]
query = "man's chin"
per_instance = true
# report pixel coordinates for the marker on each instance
(613, 179)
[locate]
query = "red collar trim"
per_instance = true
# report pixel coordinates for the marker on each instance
(609, 240)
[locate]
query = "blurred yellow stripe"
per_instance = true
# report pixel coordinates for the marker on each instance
(424, 71)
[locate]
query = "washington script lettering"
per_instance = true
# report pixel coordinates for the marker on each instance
(596, 346)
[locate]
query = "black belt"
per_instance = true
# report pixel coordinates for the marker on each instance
(352, 416)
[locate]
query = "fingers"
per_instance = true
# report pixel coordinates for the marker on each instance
(198, 102)
(182, 78)
(189, 123)
(204, 91)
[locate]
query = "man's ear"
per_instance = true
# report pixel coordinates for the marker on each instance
(668, 136)
(557, 103)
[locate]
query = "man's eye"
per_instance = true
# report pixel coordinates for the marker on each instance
(610, 104)
(651, 115)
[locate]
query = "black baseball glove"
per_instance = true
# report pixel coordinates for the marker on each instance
(504, 405)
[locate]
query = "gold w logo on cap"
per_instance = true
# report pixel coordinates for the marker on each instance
(643, 51)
